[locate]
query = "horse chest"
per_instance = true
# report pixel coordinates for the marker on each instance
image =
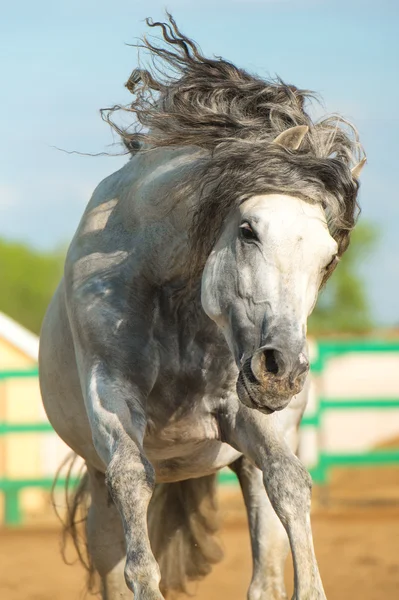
(182, 413)
(183, 436)
(186, 442)
(186, 446)
(196, 375)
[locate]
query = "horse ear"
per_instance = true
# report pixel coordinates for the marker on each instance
(357, 169)
(292, 138)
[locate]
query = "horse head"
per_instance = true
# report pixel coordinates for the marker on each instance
(261, 282)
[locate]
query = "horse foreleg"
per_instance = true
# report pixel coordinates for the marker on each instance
(288, 486)
(106, 541)
(269, 541)
(118, 424)
(131, 481)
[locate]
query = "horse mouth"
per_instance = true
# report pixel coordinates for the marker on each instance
(246, 397)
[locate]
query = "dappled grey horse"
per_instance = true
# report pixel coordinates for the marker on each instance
(175, 344)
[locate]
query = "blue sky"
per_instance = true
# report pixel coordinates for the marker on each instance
(63, 61)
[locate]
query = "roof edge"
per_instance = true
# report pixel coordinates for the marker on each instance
(19, 336)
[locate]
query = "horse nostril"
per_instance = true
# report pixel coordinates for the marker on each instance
(270, 362)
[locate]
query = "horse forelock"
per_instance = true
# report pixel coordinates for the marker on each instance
(190, 100)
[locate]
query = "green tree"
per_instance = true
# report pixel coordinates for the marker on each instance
(28, 280)
(343, 305)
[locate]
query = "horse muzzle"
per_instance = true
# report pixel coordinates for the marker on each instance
(270, 378)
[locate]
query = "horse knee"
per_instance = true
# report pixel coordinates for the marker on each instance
(126, 476)
(289, 487)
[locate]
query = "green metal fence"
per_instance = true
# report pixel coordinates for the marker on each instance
(11, 488)
(327, 350)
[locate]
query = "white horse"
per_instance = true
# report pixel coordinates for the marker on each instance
(175, 345)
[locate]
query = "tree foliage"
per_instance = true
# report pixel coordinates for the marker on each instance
(343, 306)
(29, 278)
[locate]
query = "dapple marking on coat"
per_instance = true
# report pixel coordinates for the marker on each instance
(175, 344)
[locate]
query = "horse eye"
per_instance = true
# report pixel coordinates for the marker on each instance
(332, 262)
(247, 232)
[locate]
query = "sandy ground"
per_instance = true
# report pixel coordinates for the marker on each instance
(357, 549)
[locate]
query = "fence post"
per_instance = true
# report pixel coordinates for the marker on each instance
(12, 509)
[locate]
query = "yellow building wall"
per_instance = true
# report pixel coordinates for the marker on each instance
(20, 402)
(23, 405)
(12, 358)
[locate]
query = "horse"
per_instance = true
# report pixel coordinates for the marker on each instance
(175, 344)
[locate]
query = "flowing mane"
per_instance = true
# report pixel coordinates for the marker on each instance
(190, 100)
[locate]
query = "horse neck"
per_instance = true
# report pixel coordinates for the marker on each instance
(165, 219)
(180, 303)
(157, 201)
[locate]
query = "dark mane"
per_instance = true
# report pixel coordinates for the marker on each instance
(190, 100)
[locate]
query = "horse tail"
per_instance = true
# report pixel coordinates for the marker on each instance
(73, 516)
(182, 522)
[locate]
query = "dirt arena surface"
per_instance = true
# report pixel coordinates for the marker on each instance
(357, 549)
